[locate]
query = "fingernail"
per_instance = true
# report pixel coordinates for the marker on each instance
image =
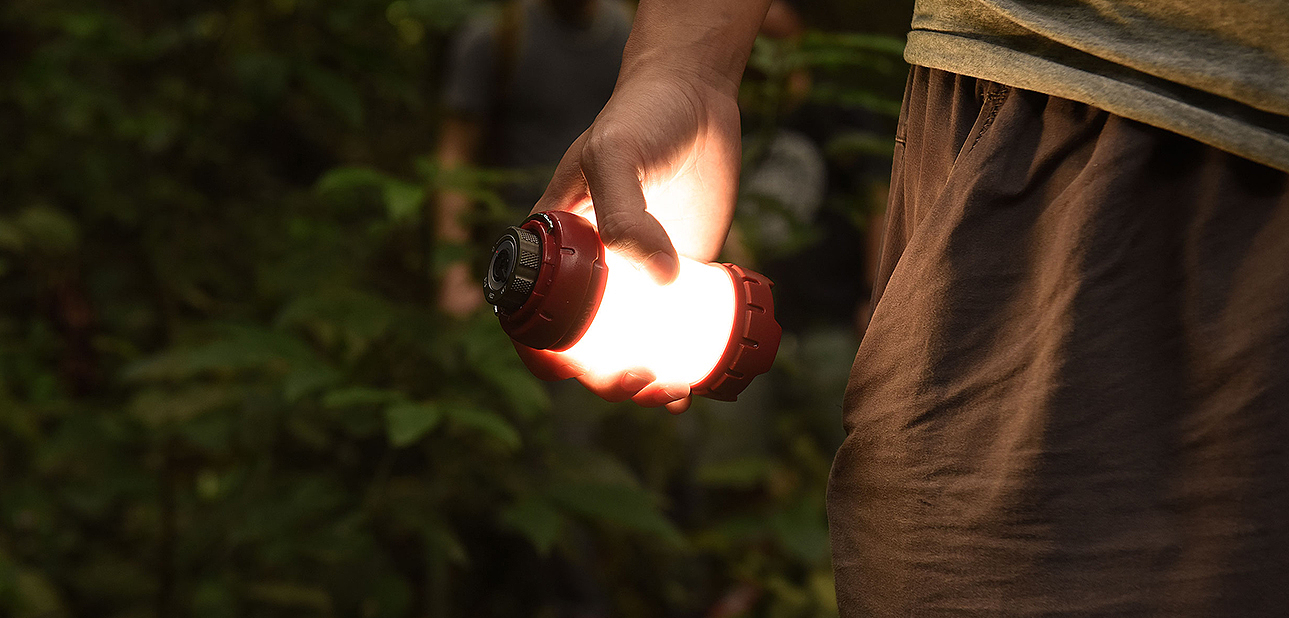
(634, 382)
(674, 392)
(662, 268)
(569, 370)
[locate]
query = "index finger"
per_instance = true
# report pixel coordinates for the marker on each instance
(612, 176)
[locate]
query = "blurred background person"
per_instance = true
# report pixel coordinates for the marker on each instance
(791, 221)
(784, 175)
(523, 82)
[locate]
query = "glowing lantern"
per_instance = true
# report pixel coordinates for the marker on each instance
(555, 287)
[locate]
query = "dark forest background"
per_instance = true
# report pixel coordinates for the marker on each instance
(225, 389)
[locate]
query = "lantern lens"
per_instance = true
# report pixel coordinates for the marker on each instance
(503, 262)
(677, 331)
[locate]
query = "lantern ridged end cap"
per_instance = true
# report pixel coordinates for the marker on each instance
(754, 339)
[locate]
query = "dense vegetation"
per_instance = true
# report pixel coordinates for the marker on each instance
(224, 388)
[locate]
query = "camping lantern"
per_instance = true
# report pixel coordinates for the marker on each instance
(555, 287)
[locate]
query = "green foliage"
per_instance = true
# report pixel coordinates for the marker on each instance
(407, 422)
(224, 389)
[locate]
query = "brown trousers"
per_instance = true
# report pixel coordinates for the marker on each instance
(1073, 397)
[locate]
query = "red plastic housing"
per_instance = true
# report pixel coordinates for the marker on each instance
(754, 339)
(570, 285)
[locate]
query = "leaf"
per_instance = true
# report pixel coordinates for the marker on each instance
(262, 75)
(522, 391)
(537, 520)
(349, 178)
(406, 422)
(860, 143)
(445, 254)
(359, 396)
(308, 379)
(443, 15)
(802, 529)
(625, 506)
(334, 90)
(211, 432)
(402, 200)
(214, 598)
(9, 593)
(47, 230)
(589, 465)
(732, 532)
(492, 356)
(389, 596)
(289, 594)
(352, 317)
(114, 576)
(164, 406)
(84, 24)
(441, 541)
(243, 348)
(743, 472)
(824, 587)
(11, 238)
(37, 597)
(486, 422)
(832, 95)
(869, 42)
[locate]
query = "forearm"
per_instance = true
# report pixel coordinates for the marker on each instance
(457, 146)
(458, 292)
(710, 37)
(449, 223)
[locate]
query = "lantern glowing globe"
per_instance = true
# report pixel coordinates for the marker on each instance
(555, 287)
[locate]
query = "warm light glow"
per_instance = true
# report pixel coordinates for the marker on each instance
(677, 331)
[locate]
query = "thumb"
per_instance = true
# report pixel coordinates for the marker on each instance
(567, 187)
(625, 226)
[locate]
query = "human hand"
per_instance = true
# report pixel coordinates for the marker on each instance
(658, 172)
(636, 384)
(658, 169)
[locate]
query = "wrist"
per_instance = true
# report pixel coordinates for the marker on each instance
(689, 67)
(707, 41)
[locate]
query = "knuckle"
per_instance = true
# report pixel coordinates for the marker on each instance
(617, 228)
(604, 145)
(628, 239)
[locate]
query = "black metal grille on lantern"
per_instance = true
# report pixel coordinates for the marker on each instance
(516, 260)
(529, 259)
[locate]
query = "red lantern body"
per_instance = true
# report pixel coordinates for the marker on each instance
(555, 287)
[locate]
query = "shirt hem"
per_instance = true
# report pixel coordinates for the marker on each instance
(985, 60)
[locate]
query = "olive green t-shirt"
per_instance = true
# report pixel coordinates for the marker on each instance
(1216, 71)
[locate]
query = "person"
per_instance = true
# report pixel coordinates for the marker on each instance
(1073, 396)
(523, 81)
